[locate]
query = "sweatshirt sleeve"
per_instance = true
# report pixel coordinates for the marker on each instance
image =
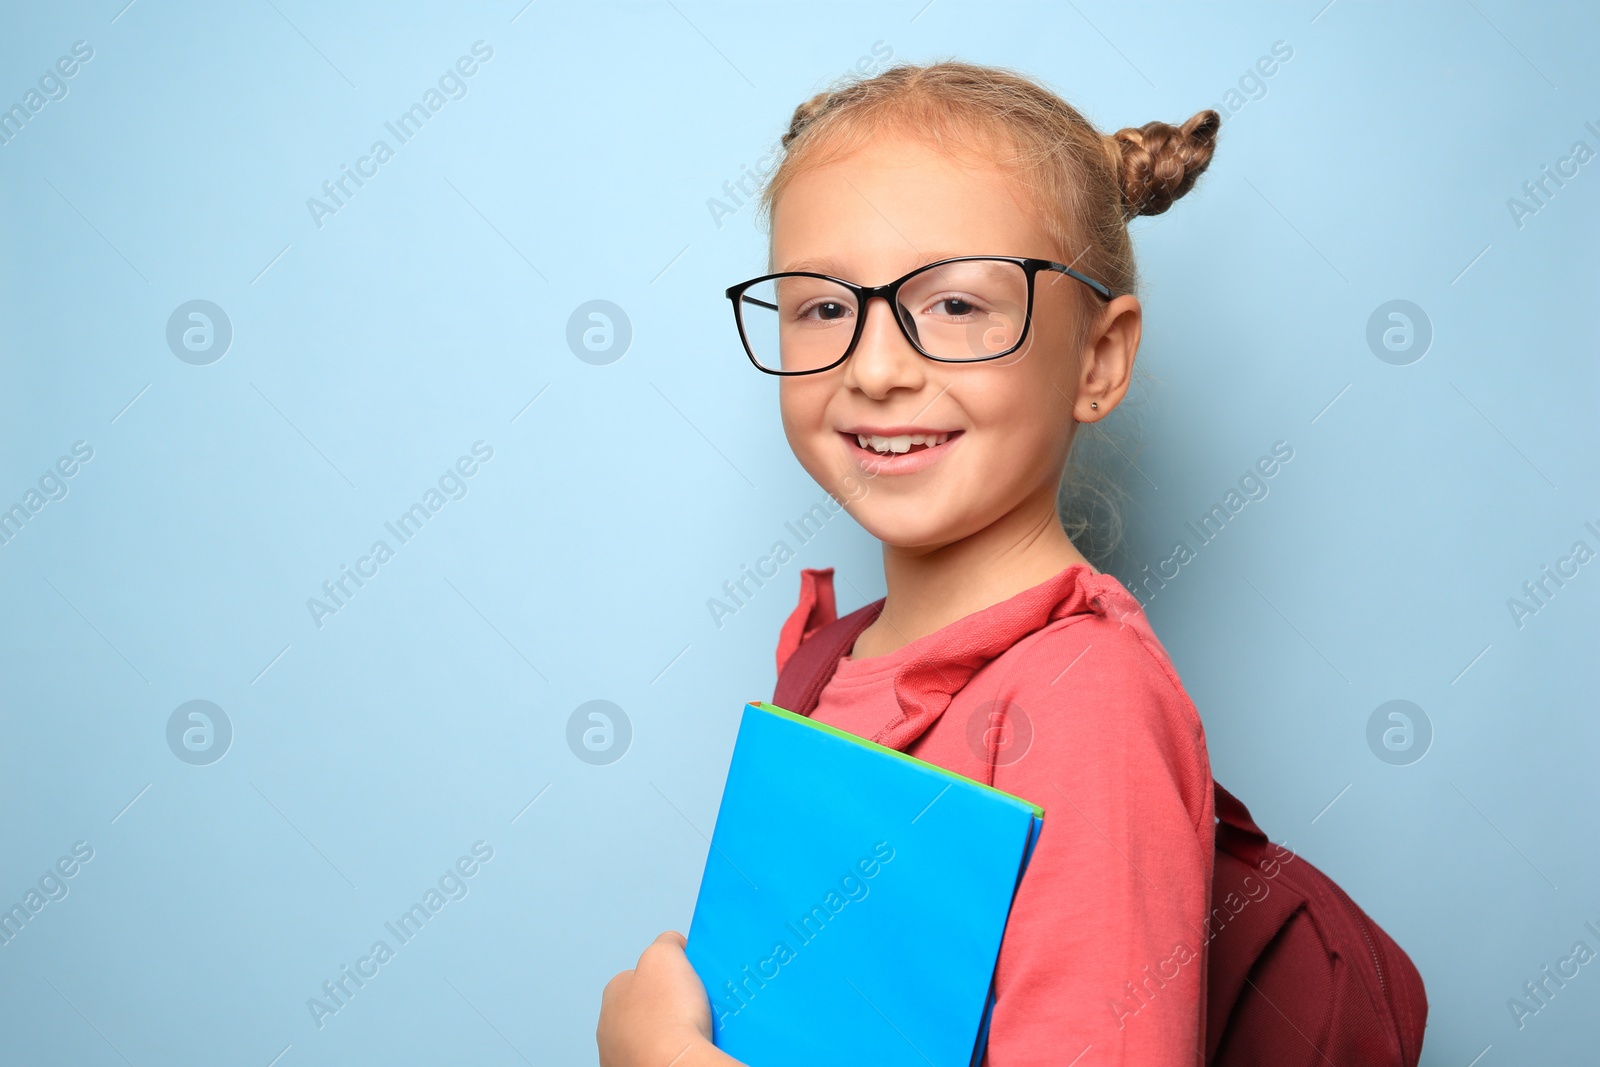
(1104, 954)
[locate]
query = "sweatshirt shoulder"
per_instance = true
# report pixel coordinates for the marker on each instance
(1110, 650)
(1106, 706)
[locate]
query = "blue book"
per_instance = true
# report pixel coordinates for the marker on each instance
(853, 900)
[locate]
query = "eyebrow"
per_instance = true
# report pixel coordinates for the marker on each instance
(829, 265)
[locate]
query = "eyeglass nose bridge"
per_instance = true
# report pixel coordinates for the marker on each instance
(890, 292)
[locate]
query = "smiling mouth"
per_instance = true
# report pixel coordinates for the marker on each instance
(901, 443)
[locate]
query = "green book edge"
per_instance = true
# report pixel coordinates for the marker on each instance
(773, 709)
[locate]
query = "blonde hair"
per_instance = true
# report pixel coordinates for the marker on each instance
(1085, 184)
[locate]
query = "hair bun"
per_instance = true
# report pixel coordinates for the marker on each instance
(804, 114)
(1159, 162)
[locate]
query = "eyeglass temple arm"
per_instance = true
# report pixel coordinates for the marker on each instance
(747, 298)
(1103, 290)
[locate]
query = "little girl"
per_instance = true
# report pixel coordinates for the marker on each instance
(953, 296)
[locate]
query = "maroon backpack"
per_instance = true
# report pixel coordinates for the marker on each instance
(1299, 975)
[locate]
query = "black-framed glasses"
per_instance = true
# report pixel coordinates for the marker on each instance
(965, 309)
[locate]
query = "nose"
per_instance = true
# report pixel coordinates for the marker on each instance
(883, 359)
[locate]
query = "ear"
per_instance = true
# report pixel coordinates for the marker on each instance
(1105, 367)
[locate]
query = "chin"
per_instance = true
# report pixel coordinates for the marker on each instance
(904, 530)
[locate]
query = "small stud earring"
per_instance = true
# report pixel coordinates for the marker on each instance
(1094, 403)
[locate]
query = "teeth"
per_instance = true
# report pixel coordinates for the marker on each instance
(900, 442)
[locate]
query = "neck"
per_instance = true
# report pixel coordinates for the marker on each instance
(931, 588)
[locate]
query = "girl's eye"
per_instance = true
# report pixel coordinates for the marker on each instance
(954, 306)
(824, 310)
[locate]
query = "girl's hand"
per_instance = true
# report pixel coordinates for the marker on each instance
(657, 1014)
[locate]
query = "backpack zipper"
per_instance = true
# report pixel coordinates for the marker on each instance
(1377, 962)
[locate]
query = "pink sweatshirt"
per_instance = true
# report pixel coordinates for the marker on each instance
(1063, 696)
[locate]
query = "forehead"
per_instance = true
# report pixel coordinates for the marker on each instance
(898, 201)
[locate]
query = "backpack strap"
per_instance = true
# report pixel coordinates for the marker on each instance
(815, 610)
(1237, 832)
(812, 664)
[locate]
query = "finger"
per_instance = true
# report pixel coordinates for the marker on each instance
(618, 981)
(667, 941)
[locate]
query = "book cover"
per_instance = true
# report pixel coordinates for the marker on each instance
(853, 900)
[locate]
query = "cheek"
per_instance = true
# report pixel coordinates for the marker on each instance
(803, 406)
(794, 409)
(1020, 400)
(1023, 421)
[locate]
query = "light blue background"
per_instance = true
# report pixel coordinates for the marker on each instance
(368, 354)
